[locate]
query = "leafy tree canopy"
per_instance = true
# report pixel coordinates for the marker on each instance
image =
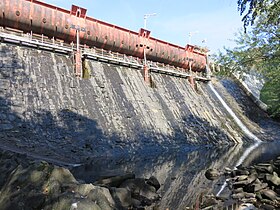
(252, 9)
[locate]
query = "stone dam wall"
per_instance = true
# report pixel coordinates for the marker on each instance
(47, 112)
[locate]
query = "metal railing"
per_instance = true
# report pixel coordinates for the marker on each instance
(44, 43)
(122, 59)
(31, 41)
(112, 57)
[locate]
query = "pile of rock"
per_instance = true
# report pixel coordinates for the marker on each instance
(258, 185)
(40, 185)
(128, 191)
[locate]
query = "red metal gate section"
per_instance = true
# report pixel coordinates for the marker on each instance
(52, 21)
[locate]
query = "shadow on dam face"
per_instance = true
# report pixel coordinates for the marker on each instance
(69, 137)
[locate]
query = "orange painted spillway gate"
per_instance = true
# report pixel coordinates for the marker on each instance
(52, 21)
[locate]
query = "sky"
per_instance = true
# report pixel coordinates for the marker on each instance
(215, 21)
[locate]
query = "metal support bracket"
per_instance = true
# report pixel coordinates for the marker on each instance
(192, 82)
(145, 34)
(78, 64)
(80, 13)
(78, 59)
(147, 77)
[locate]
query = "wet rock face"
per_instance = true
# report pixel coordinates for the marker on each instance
(248, 111)
(258, 185)
(39, 185)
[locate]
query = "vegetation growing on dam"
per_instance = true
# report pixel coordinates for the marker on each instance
(258, 48)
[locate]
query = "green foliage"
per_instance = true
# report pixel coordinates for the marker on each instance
(270, 94)
(258, 49)
(252, 9)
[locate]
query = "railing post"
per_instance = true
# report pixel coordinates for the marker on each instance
(147, 76)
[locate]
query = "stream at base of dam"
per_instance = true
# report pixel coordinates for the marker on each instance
(181, 173)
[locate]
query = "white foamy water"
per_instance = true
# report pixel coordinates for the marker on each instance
(244, 129)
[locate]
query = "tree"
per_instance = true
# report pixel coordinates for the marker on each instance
(252, 9)
(258, 49)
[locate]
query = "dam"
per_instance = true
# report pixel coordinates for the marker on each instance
(108, 114)
(114, 111)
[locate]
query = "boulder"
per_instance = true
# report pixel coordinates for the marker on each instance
(255, 187)
(212, 174)
(238, 190)
(44, 186)
(239, 184)
(238, 196)
(153, 182)
(139, 186)
(273, 179)
(83, 189)
(269, 194)
(102, 197)
(264, 168)
(267, 207)
(122, 197)
(242, 177)
(40, 185)
(114, 181)
(72, 202)
(62, 175)
(247, 206)
(84, 204)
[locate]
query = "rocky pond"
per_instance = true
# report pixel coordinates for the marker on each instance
(171, 180)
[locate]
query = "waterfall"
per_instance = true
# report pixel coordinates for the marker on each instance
(244, 129)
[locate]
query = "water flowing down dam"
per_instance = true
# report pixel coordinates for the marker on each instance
(235, 118)
(103, 107)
